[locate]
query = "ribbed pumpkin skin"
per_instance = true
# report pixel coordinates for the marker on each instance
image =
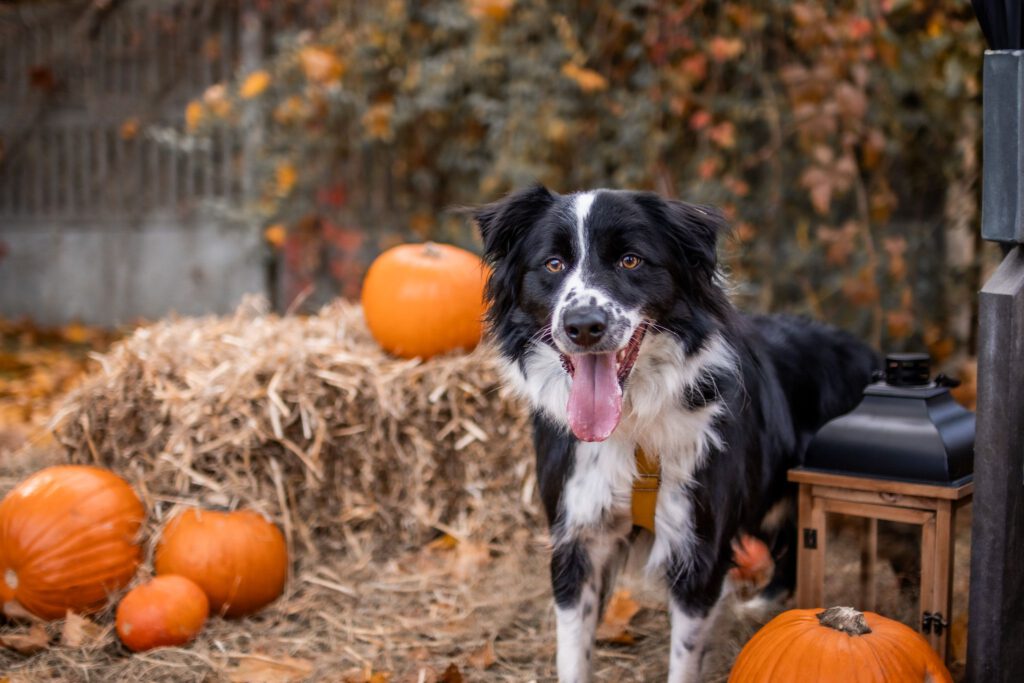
(165, 611)
(425, 299)
(794, 646)
(239, 559)
(68, 538)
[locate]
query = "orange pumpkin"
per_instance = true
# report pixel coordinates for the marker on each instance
(68, 538)
(239, 559)
(425, 299)
(165, 611)
(837, 645)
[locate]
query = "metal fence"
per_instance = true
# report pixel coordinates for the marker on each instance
(78, 88)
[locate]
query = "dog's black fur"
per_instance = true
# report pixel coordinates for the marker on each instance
(788, 375)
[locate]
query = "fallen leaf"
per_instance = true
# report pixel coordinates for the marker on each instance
(264, 669)
(614, 628)
(450, 675)
(79, 631)
(483, 658)
(29, 642)
(444, 542)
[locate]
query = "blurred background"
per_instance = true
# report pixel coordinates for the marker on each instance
(172, 155)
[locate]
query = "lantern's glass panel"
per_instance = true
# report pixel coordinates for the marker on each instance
(897, 572)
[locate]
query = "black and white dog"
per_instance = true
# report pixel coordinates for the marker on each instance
(610, 311)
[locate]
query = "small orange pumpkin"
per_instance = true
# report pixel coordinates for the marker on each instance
(239, 559)
(165, 611)
(837, 645)
(68, 538)
(425, 299)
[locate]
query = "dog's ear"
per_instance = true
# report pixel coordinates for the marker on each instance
(506, 220)
(694, 229)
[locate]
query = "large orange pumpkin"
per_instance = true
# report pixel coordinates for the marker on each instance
(239, 559)
(425, 299)
(837, 645)
(68, 538)
(166, 610)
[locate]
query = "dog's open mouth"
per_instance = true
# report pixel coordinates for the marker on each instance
(595, 399)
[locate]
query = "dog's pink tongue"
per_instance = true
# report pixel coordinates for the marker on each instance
(595, 400)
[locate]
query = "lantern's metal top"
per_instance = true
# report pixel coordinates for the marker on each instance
(908, 428)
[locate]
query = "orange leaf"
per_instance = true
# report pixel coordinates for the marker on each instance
(275, 235)
(129, 128)
(445, 542)
(194, 115)
(724, 49)
(285, 175)
(588, 80)
(484, 657)
(254, 84)
(450, 675)
(491, 10)
(320, 65)
(614, 628)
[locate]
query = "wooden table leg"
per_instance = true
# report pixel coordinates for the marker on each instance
(928, 566)
(943, 598)
(868, 562)
(810, 553)
(819, 528)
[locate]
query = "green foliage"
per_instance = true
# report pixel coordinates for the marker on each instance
(839, 137)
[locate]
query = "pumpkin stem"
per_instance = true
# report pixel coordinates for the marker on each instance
(845, 619)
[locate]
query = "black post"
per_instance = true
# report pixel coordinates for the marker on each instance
(995, 644)
(995, 647)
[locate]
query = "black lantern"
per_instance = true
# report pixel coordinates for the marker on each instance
(908, 427)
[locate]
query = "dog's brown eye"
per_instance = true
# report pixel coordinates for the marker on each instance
(555, 265)
(629, 261)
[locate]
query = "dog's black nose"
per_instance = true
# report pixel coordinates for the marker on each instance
(585, 325)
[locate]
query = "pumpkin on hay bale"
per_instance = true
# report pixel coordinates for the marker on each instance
(425, 299)
(308, 421)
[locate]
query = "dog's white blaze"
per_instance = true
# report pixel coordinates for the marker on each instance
(581, 206)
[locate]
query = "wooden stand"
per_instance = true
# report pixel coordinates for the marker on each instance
(931, 506)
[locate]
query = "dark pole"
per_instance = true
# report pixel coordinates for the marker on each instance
(995, 648)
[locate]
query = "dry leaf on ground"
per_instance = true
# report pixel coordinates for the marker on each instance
(484, 657)
(79, 631)
(29, 642)
(265, 669)
(614, 628)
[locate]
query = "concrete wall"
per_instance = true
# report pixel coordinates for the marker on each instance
(114, 274)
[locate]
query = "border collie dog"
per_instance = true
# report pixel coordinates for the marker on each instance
(612, 319)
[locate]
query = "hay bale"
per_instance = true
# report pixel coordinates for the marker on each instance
(309, 421)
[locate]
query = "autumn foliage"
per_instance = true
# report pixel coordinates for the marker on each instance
(841, 141)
